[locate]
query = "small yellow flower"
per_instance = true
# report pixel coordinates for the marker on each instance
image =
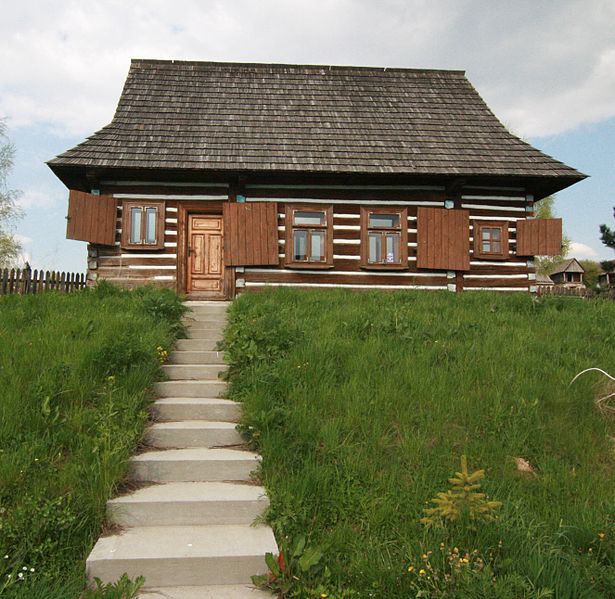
(424, 556)
(601, 536)
(590, 550)
(422, 572)
(410, 568)
(323, 595)
(455, 550)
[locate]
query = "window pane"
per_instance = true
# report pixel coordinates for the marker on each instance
(495, 234)
(135, 225)
(392, 241)
(496, 247)
(384, 221)
(375, 252)
(317, 246)
(486, 247)
(300, 245)
(303, 217)
(150, 224)
(485, 234)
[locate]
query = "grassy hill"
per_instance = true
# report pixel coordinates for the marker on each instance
(74, 373)
(363, 404)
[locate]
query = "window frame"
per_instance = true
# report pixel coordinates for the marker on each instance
(127, 207)
(504, 239)
(290, 227)
(403, 237)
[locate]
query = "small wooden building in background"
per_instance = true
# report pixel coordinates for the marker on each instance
(568, 274)
(213, 178)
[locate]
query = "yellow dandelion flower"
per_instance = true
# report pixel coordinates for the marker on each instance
(422, 572)
(410, 568)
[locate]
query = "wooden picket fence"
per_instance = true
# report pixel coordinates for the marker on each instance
(26, 280)
(565, 291)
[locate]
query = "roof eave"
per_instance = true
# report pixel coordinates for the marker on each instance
(84, 177)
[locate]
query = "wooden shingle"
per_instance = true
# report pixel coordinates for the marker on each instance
(208, 116)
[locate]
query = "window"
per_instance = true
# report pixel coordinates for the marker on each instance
(491, 240)
(309, 242)
(143, 225)
(384, 238)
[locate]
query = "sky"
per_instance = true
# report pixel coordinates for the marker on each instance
(545, 67)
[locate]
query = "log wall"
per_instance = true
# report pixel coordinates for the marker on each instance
(132, 268)
(514, 274)
(135, 267)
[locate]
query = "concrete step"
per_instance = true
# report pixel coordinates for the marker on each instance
(205, 333)
(193, 408)
(197, 325)
(216, 324)
(193, 371)
(189, 504)
(211, 388)
(205, 316)
(192, 433)
(193, 465)
(196, 357)
(183, 555)
(196, 344)
(219, 591)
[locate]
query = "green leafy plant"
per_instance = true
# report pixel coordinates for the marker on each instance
(124, 588)
(299, 571)
(462, 503)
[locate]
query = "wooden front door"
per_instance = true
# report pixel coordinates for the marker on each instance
(205, 255)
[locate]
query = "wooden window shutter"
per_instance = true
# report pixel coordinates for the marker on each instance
(250, 234)
(539, 237)
(443, 239)
(91, 218)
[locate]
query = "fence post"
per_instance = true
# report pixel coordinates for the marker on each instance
(26, 274)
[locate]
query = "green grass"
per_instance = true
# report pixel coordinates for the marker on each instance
(74, 373)
(362, 405)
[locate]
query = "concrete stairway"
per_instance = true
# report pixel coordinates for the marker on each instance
(189, 530)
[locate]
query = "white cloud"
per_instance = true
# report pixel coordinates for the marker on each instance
(23, 239)
(35, 198)
(580, 251)
(544, 67)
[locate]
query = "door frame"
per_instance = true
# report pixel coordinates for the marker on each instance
(198, 208)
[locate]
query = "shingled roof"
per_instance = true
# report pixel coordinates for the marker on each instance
(209, 116)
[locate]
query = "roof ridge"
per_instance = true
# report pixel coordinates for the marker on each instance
(330, 67)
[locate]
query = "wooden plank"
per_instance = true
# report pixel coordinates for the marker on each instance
(251, 234)
(443, 240)
(91, 218)
(539, 237)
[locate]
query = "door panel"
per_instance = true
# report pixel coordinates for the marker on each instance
(205, 263)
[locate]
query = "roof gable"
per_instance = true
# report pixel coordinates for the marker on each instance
(570, 265)
(313, 119)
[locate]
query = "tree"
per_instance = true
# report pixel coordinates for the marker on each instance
(544, 264)
(592, 270)
(9, 211)
(607, 235)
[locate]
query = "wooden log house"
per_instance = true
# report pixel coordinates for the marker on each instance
(214, 178)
